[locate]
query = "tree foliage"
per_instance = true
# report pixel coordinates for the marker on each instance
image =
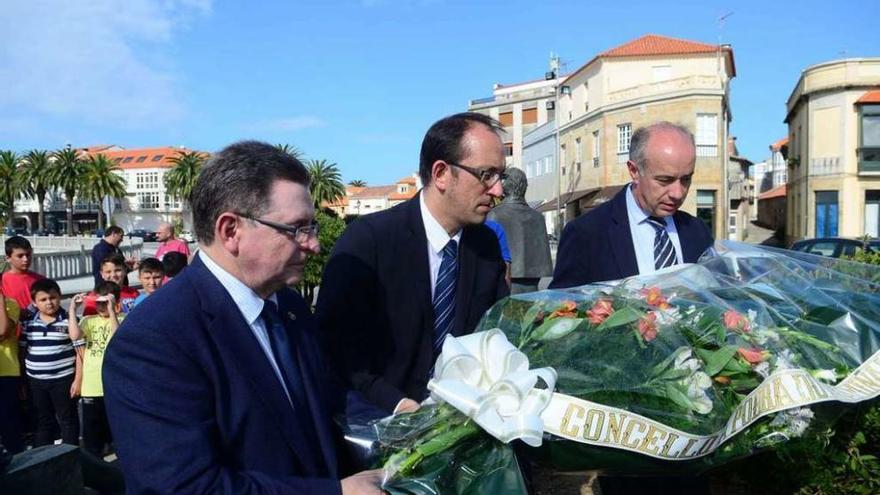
(100, 181)
(330, 228)
(357, 183)
(66, 173)
(181, 179)
(326, 183)
(11, 185)
(36, 175)
(291, 150)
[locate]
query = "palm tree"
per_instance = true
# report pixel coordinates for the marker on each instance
(100, 181)
(67, 174)
(181, 179)
(357, 183)
(291, 150)
(11, 185)
(326, 182)
(37, 178)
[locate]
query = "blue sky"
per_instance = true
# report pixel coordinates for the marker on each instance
(358, 82)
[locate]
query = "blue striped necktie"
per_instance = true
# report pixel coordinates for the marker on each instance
(664, 251)
(444, 295)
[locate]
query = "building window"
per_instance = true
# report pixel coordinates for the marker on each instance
(506, 119)
(171, 203)
(872, 213)
(529, 170)
(596, 148)
(547, 164)
(869, 142)
(157, 158)
(706, 208)
(508, 149)
(146, 180)
(148, 200)
(530, 116)
(578, 151)
(128, 159)
(562, 159)
(624, 134)
(826, 213)
(707, 134)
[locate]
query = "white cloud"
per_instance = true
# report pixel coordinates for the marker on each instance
(99, 61)
(287, 124)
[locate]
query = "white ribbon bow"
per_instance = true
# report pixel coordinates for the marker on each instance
(485, 377)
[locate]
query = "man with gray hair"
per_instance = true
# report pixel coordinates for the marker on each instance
(526, 235)
(641, 229)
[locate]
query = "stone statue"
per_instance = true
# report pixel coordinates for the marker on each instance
(526, 235)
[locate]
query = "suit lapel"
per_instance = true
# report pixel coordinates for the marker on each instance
(235, 340)
(312, 377)
(620, 237)
(413, 256)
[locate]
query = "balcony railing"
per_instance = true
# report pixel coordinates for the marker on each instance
(826, 166)
(869, 160)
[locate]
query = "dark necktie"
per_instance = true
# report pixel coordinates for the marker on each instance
(283, 351)
(444, 295)
(664, 251)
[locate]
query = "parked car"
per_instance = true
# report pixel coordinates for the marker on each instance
(834, 247)
(146, 235)
(187, 236)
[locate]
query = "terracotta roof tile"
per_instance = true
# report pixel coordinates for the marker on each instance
(776, 192)
(869, 97)
(143, 157)
(402, 196)
(779, 144)
(653, 44)
(374, 192)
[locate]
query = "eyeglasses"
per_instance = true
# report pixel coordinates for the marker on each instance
(487, 176)
(301, 234)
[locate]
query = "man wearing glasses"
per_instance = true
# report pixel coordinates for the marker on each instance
(215, 384)
(399, 281)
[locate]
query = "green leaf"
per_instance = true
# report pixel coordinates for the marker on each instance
(529, 318)
(716, 361)
(676, 395)
(620, 317)
(556, 328)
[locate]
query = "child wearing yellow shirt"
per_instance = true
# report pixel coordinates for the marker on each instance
(90, 336)
(10, 377)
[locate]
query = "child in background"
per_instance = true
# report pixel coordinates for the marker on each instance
(113, 269)
(53, 372)
(10, 377)
(90, 337)
(151, 275)
(18, 280)
(174, 263)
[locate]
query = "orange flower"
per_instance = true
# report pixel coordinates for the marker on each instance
(648, 326)
(753, 356)
(601, 310)
(567, 310)
(655, 298)
(736, 322)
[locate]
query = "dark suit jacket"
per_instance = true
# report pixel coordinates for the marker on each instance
(374, 306)
(195, 406)
(598, 246)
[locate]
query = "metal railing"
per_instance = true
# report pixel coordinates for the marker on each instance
(71, 257)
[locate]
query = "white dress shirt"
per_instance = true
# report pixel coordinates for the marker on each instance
(643, 234)
(437, 240)
(250, 305)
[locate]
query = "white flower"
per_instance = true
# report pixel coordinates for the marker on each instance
(752, 315)
(824, 375)
(697, 382)
(793, 422)
(784, 360)
(668, 316)
(762, 335)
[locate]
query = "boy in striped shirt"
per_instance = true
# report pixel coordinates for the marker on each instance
(54, 374)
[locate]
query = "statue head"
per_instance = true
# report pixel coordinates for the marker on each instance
(515, 184)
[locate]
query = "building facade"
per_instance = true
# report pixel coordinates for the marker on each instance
(521, 108)
(833, 117)
(650, 79)
(370, 199)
